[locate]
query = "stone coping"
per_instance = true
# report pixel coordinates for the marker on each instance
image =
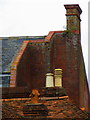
(41, 98)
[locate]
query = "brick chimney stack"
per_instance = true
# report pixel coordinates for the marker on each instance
(73, 12)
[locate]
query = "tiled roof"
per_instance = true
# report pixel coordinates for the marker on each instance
(57, 108)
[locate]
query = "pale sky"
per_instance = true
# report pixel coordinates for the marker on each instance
(38, 17)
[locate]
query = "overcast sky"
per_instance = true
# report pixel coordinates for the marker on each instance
(38, 17)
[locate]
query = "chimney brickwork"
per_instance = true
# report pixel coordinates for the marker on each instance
(73, 12)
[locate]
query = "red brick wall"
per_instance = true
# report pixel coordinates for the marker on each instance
(65, 55)
(86, 97)
(84, 93)
(31, 67)
(37, 64)
(23, 70)
(73, 62)
(15, 92)
(31, 64)
(58, 53)
(89, 103)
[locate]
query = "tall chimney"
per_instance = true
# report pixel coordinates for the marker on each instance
(73, 12)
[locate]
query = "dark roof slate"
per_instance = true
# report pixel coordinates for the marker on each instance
(9, 50)
(10, 47)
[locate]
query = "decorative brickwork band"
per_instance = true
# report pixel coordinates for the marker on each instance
(15, 62)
